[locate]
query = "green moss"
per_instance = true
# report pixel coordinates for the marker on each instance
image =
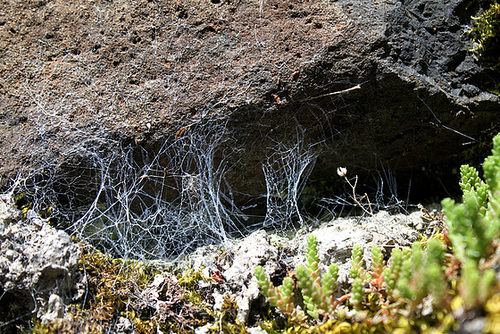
(190, 280)
(23, 202)
(114, 288)
(486, 34)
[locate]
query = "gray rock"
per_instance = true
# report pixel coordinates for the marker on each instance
(254, 250)
(277, 255)
(36, 260)
(189, 65)
(337, 238)
(235, 266)
(124, 325)
(55, 309)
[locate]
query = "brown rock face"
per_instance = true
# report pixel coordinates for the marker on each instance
(86, 78)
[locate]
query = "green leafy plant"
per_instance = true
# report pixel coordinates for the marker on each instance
(281, 297)
(357, 270)
(475, 285)
(317, 290)
(404, 281)
(394, 272)
(427, 287)
(473, 224)
(422, 275)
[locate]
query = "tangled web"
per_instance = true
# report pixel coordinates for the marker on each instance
(145, 205)
(169, 205)
(163, 203)
(285, 172)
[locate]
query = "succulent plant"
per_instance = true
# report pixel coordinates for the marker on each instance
(416, 287)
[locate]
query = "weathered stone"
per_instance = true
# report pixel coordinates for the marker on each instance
(237, 264)
(335, 242)
(124, 325)
(55, 309)
(36, 260)
(337, 238)
(254, 250)
(141, 73)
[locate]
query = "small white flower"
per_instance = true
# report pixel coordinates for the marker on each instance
(342, 171)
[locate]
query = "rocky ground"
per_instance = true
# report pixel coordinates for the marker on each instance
(40, 276)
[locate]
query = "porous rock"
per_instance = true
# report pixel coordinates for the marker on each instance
(113, 74)
(255, 250)
(278, 255)
(37, 264)
(337, 238)
(235, 266)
